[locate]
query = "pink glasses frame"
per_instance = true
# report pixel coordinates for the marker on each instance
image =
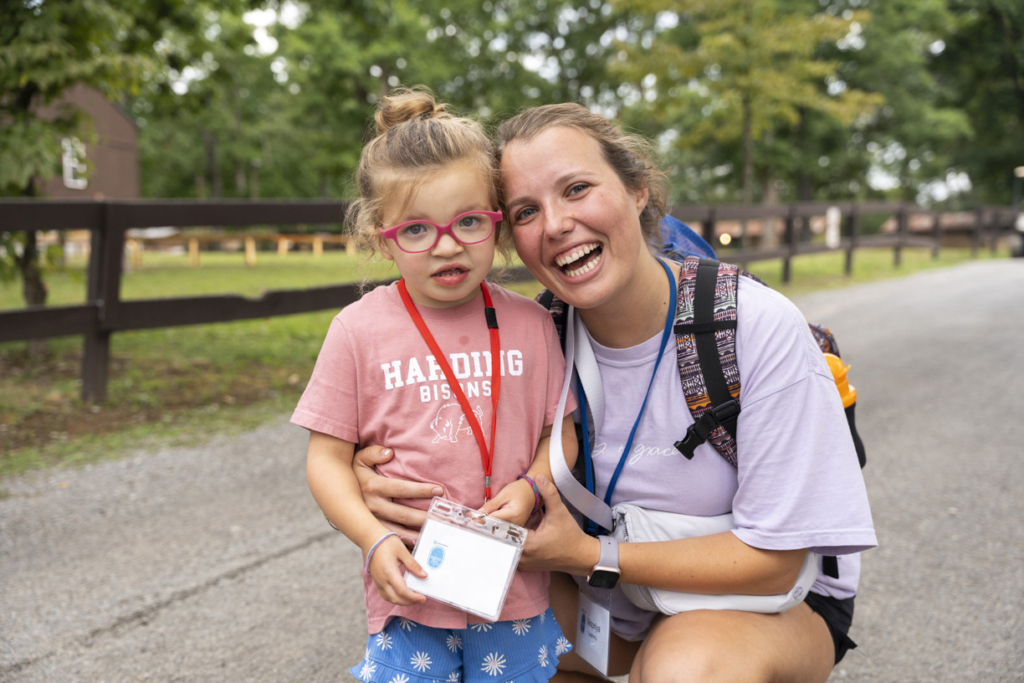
(392, 233)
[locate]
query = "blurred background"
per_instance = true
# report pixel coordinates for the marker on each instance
(751, 103)
(752, 100)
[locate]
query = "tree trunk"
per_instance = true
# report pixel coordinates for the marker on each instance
(803, 178)
(770, 226)
(212, 167)
(33, 289)
(254, 182)
(239, 178)
(325, 182)
(748, 163)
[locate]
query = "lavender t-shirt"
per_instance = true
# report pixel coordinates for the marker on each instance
(798, 484)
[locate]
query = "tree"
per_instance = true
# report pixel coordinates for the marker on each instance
(735, 70)
(46, 47)
(208, 116)
(907, 143)
(982, 66)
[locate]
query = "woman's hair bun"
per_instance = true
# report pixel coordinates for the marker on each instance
(407, 104)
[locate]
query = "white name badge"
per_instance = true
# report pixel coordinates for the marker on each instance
(469, 558)
(593, 633)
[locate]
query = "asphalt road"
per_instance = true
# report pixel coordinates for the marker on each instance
(213, 564)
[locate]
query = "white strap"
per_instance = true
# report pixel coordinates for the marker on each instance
(578, 496)
(589, 374)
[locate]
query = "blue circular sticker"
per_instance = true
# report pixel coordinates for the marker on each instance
(436, 557)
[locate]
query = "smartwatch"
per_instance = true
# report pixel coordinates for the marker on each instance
(606, 573)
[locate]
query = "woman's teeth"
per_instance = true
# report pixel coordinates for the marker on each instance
(585, 268)
(568, 259)
(576, 254)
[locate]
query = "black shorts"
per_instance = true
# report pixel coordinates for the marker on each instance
(838, 615)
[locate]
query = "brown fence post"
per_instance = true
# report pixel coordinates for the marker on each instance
(106, 262)
(852, 228)
(250, 251)
(993, 231)
(936, 235)
(790, 232)
(707, 227)
(979, 218)
(901, 231)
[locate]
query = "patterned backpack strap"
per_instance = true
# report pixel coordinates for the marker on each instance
(824, 337)
(705, 328)
(557, 310)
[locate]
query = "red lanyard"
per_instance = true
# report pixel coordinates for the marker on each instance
(487, 457)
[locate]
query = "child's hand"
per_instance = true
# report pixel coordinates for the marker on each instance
(514, 503)
(385, 569)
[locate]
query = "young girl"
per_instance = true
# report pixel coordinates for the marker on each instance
(461, 378)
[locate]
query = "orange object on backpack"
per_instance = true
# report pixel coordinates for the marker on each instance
(838, 368)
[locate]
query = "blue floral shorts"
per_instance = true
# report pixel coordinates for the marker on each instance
(518, 651)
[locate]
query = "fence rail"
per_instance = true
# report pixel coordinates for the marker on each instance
(108, 222)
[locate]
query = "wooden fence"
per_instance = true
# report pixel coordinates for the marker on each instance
(105, 313)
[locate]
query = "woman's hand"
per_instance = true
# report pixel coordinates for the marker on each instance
(386, 571)
(378, 492)
(558, 543)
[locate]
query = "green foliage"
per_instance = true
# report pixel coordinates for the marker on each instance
(735, 71)
(46, 47)
(768, 100)
(912, 136)
(982, 69)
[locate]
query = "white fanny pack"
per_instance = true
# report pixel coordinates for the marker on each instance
(633, 524)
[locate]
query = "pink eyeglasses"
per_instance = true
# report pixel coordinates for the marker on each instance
(471, 227)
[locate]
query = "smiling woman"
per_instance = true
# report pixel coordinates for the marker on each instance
(583, 200)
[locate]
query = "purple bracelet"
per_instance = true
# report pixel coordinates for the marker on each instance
(369, 555)
(536, 493)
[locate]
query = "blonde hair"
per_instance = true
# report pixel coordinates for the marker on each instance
(632, 157)
(415, 135)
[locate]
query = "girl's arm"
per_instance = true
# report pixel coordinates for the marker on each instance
(335, 489)
(515, 502)
(716, 564)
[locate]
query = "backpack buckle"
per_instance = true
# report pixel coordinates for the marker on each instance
(726, 411)
(689, 442)
(699, 431)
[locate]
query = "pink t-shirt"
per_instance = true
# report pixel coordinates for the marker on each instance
(376, 382)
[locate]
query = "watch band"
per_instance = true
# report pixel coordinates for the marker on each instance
(606, 573)
(609, 559)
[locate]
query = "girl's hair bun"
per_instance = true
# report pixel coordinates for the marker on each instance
(407, 104)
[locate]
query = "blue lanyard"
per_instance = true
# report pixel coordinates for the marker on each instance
(582, 400)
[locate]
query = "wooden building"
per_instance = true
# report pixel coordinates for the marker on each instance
(105, 169)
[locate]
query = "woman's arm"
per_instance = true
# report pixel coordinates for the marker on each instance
(378, 491)
(716, 564)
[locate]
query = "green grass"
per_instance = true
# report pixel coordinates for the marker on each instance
(184, 384)
(825, 271)
(167, 275)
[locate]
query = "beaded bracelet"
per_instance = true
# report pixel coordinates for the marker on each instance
(536, 494)
(380, 540)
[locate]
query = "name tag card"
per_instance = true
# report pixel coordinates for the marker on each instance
(594, 634)
(469, 558)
